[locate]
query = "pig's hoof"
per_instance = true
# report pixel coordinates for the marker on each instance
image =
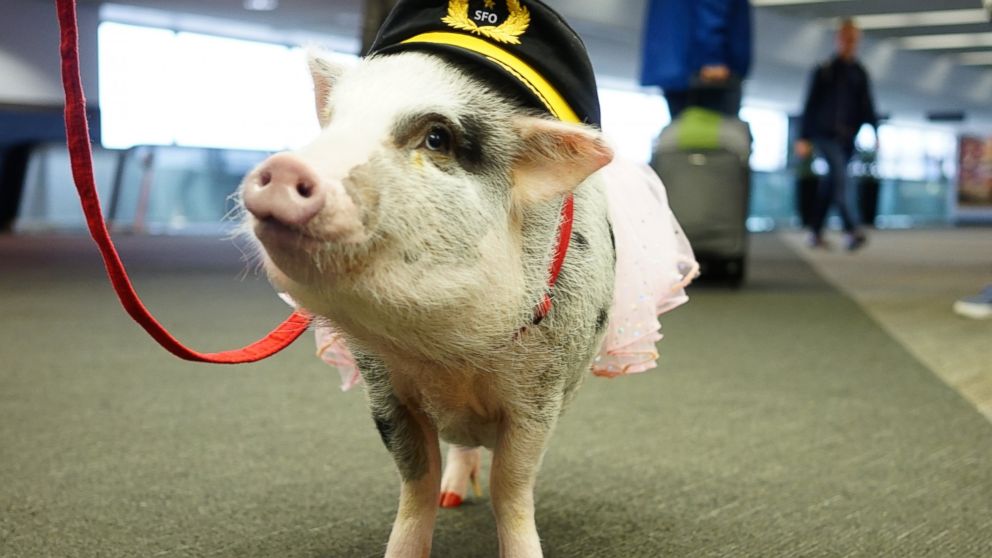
(450, 500)
(461, 469)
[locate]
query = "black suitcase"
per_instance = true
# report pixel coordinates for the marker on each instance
(868, 187)
(807, 189)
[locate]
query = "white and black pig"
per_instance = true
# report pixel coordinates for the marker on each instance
(422, 227)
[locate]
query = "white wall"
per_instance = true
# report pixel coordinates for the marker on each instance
(30, 71)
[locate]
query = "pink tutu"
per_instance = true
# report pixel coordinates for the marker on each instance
(332, 349)
(654, 265)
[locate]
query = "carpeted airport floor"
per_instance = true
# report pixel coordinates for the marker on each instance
(784, 422)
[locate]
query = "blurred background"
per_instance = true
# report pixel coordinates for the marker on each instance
(180, 110)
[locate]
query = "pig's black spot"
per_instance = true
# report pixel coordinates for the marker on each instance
(613, 240)
(386, 429)
(601, 320)
(403, 438)
(580, 240)
(366, 363)
(471, 149)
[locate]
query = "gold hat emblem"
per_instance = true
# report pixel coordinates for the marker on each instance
(509, 31)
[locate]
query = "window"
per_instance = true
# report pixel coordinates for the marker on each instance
(160, 87)
(632, 120)
(770, 138)
(135, 93)
(915, 152)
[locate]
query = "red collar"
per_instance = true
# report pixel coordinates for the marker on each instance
(564, 239)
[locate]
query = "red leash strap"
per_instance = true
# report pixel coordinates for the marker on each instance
(77, 134)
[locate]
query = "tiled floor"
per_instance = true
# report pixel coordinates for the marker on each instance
(907, 281)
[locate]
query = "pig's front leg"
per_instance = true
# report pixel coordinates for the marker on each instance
(419, 460)
(413, 442)
(516, 460)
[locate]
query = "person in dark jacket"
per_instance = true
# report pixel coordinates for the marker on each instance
(838, 103)
(698, 51)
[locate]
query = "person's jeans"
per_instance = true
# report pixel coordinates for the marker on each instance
(834, 186)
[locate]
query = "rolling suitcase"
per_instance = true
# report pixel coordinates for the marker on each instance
(702, 157)
(868, 186)
(807, 187)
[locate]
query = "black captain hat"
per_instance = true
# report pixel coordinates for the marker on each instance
(523, 40)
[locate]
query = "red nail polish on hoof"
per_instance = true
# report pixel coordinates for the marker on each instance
(450, 500)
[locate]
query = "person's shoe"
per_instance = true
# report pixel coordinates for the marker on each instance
(978, 307)
(816, 241)
(855, 241)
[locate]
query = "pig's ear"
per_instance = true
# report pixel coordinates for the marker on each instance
(555, 158)
(325, 74)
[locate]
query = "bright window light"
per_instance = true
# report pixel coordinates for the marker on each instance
(770, 133)
(240, 94)
(136, 105)
(916, 152)
(158, 87)
(632, 120)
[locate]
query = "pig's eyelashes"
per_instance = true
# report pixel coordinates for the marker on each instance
(438, 139)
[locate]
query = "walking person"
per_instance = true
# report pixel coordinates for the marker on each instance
(838, 103)
(698, 52)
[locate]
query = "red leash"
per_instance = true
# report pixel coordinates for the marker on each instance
(77, 134)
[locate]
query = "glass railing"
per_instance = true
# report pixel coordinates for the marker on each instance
(49, 200)
(182, 190)
(901, 203)
(178, 189)
(162, 189)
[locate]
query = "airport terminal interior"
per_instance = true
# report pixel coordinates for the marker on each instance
(815, 396)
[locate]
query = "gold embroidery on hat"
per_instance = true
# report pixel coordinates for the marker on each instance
(507, 32)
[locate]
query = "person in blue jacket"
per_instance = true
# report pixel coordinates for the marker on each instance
(698, 52)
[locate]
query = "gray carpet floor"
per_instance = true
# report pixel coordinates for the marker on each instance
(784, 422)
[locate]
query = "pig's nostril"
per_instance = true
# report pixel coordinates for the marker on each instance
(265, 178)
(303, 189)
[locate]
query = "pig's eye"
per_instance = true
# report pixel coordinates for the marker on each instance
(438, 139)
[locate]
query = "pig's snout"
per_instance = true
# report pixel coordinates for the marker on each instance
(284, 188)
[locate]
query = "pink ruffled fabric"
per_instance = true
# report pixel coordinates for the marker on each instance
(332, 349)
(654, 265)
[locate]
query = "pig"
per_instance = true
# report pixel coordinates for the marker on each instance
(421, 225)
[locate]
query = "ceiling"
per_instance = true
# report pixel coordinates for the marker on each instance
(603, 16)
(913, 72)
(978, 24)
(789, 39)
